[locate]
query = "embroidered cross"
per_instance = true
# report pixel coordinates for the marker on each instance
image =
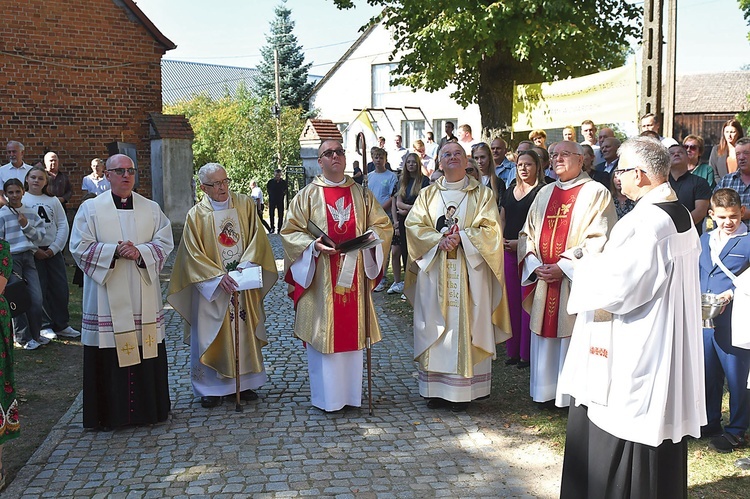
(127, 348)
(562, 213)
(149, 341)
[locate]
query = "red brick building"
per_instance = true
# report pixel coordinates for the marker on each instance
(76, 75)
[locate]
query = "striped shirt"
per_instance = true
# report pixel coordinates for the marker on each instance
(21, 239)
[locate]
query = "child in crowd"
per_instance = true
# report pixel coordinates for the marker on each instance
(725, 253)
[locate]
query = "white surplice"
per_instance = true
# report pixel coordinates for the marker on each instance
(641, 374)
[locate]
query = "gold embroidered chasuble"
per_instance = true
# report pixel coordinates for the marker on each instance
(316, 306)
(481, 276)
(199, 259)
(588, 225)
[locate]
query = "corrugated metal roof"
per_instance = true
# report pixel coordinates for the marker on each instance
(182, 80)
(713, 92)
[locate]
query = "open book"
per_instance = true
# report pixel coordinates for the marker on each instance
(367, 240)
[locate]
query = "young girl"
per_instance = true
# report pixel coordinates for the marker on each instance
(48, 256)
(23, 230)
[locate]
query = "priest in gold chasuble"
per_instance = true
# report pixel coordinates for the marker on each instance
(221, 234)
(328, 287)
(455, 241)
(567, 219)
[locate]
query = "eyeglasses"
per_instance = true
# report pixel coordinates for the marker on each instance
(563, 155)
(691, 147)
(218, 183)
(122, 171)
(619, 172)
(447, 155)
(330, 152)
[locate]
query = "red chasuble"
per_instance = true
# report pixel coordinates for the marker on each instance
(552, 243)
(341, 226)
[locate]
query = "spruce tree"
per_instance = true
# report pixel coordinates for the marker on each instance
(292, 71)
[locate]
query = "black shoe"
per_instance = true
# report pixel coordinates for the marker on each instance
(727, 442)
(248, 395)
(523, 364)
(437, 403)
(209, 402)
(710, 431)
(459, 406)
(512, 361)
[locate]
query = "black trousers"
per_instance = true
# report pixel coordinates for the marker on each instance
(277, 206)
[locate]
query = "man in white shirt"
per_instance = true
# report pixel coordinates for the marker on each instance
(465, 139)
(16, 168)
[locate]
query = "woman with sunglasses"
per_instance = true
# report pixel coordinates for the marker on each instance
(482, 154)
(694, 146)
(513, 210)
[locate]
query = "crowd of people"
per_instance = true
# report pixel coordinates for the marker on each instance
(587, 260)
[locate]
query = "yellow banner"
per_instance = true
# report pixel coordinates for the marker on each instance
(605, 97)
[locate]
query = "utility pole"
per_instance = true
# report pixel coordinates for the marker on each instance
(277, 106)
(671, 81)
(652, 57)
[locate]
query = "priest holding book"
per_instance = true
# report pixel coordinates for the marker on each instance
(221, 252)
(329, 286)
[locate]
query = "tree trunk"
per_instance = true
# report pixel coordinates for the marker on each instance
(497, 75)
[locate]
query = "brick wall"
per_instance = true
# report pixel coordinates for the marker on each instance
(74, 76)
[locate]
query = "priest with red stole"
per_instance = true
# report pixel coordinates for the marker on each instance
(329, 287)
(569, 218)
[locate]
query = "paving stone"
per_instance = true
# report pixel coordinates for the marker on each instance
(280, 446)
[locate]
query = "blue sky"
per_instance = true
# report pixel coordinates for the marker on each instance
(712, 34)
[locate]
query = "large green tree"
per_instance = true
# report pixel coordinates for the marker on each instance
(484, 46)
(240, 133)
(294, 86)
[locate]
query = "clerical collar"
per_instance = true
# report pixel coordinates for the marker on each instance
(331, 182)
(220, 205)
(123, 203)
(567, 184)
(455, 186)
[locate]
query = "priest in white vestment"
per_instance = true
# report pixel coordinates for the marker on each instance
(120, 240)
(569, 217)
(332, 290)
(635, 362)
(455, 238)
(221, 235)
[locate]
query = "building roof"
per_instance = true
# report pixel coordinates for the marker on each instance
(713, 92)
(182, 80)
(150, 27)
(320, 130)
(169, 126)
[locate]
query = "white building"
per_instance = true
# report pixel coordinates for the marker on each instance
(361, 79)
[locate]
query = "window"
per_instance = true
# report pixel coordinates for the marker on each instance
(438, 127)
(381, 83)
(412, 130)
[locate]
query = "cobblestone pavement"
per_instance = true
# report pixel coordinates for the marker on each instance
(280, 446)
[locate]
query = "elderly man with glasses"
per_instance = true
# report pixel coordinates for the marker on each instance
(222, 235)
(120, 240)
(329, 286)
(567, 219)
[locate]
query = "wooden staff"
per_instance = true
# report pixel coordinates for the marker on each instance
(362, 149)
(236, 299)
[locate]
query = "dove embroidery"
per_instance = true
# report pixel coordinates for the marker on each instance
(340, 214)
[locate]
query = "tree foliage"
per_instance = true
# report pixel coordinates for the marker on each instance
(292, 71)
(240, 133)
(483, 46)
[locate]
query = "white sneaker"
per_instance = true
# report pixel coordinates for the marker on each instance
(69, 332)
(396, 288)
(43, 341)
(403, 297)
(48, 333)
(380, 287)
(31, 345)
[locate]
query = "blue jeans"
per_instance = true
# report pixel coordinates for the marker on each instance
(27, 326)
